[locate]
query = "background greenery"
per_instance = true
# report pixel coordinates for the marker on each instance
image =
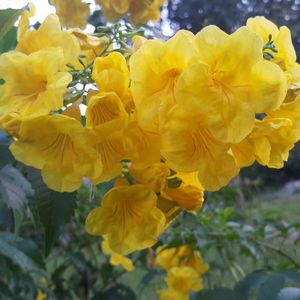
(249, 233)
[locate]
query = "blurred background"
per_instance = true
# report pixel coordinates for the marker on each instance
(252, 224)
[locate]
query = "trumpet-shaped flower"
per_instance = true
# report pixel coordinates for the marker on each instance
(168, 258)
(169, 208)
(111, 74)
(59, 146)
(72, 13)
(114, 9)
(139, 11)
(189, 146)
(129, 217)
(33, 84)
(285, 56)
(143, 11)
(230, 82)
(269, 143)
(155, 176)
(10, 123)
(172, 295)
(144, 145)
(48, 35)
(185, 267)
(91, 46)
(290, 110)
(189, 194)
(184, 279)
(107, 119)
(155, 69)
(115, 258)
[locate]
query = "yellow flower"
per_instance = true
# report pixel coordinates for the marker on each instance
(59, 146)
(293, 75)
(168, 258)
(138, 41)
(129, 217)
(189, 195)
(290, 110)
(34, 84)
(155, 69)
(184, 279)
(40, 295)
(111, 74)
(72, 13)
(169, 208)
(185, 267)
(144, 145)
(48, 35)
(155, 176)
(189, 146)
(91, 46)
(138, 11)
(115, 258)
(24, 20)
(144, 11)
(107, 119)
(286, 55)
(230, 82)
(10, 123)
(172, 294)
(114, 9)
(272, 138)
(269, 143)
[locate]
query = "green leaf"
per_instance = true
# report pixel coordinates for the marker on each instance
(14, 188)
(22, 252)
(289, 294)
(5, 293)
(8, 42)
(218, 294)
(8, 17)
(251, 283)
(117, 292)
(271, 287)
(291, 275)
(50, 209)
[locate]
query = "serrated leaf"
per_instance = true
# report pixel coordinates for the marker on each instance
(8, 17)
(271, 287)
(52, 209)
(289, 294)
(22, 252)
(14, 188)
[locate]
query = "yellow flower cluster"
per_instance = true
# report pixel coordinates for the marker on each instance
(74, 13)
(215, 100)
(174, 119)
(185, 268)
(139, 11)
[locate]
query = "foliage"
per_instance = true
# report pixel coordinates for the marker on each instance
(45, 210)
